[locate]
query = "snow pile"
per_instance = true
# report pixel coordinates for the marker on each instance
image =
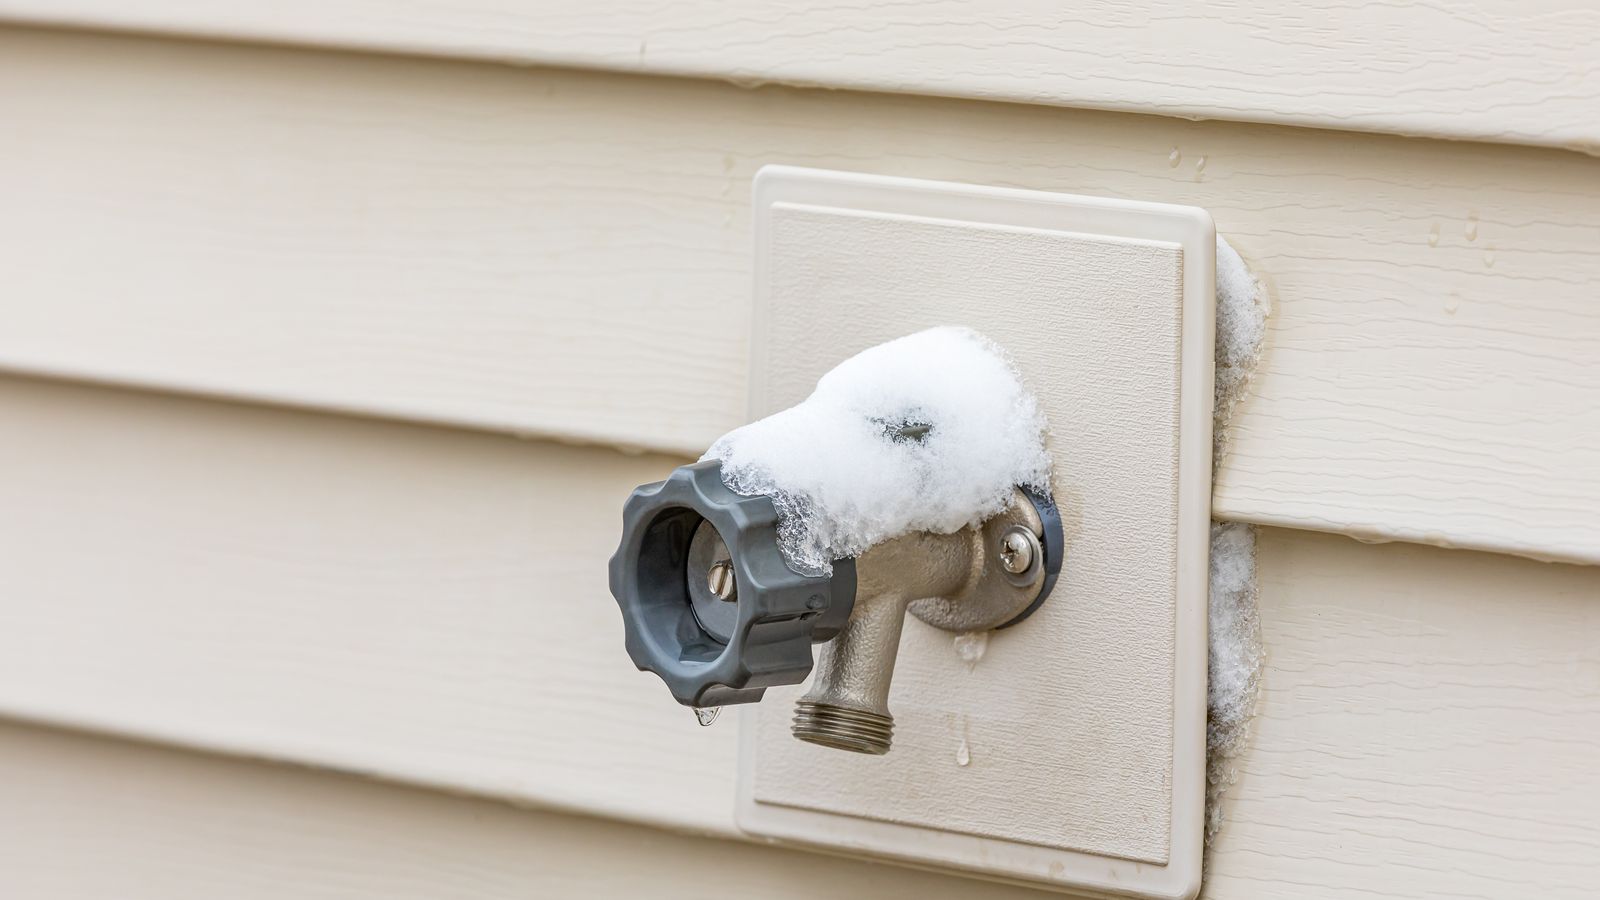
(1241, 327)
(930, 432)
(1235, 651)
(1233, 659)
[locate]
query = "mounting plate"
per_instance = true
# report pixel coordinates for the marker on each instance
(1072, 754)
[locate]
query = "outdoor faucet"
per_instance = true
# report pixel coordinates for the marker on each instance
(712, 607)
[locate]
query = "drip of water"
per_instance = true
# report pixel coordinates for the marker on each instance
(963, 754)
(1174, 158)
(1433, 235)
(971, 646)
(705, 715)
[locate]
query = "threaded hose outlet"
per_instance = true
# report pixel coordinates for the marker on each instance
(843, 728)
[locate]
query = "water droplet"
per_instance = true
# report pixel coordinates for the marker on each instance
(1174, 158)
(1488, 256)
(971, 646)
(1433, 235)
(705, 715)
(963, 754)
(1452, 304)
(1200, 166)
(1472, 227)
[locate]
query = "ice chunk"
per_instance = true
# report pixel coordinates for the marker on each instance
(930, 432)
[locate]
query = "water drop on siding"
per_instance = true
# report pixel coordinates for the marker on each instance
(705, 715)
(971, 646)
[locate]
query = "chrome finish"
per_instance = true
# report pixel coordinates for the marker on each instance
(1017, 550)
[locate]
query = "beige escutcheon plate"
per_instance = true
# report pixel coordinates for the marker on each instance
(1072, 753)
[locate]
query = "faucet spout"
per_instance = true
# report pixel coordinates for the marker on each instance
(847, 707)
(983, 577)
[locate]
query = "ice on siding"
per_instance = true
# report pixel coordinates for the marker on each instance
(929, 432)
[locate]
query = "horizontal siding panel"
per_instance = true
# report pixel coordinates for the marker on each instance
(160, 824)
(1498, 70)
(429, 605)
(567, 255)
(406, 601)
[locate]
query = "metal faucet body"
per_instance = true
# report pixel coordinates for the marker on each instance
(710, 604)
(959, 582)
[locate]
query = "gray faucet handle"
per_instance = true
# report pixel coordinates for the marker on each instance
(708, 603)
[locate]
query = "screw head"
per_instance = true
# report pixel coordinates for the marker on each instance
(720, 581)
(1018, 547)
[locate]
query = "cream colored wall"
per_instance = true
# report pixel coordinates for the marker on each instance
(498, 251)
(429, 605)
(87, 817)
(1519, 71)
(531, 252)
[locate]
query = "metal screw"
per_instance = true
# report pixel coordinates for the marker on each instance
(1017, 549)
(720, 581)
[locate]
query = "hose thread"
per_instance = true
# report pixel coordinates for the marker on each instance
(842, 728)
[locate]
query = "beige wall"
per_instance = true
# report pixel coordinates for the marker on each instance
(1398, 67)
(429, 605)
(495, 251)
(87, 817)
(530, 251)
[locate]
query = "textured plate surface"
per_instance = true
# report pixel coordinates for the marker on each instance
(1072, 752)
